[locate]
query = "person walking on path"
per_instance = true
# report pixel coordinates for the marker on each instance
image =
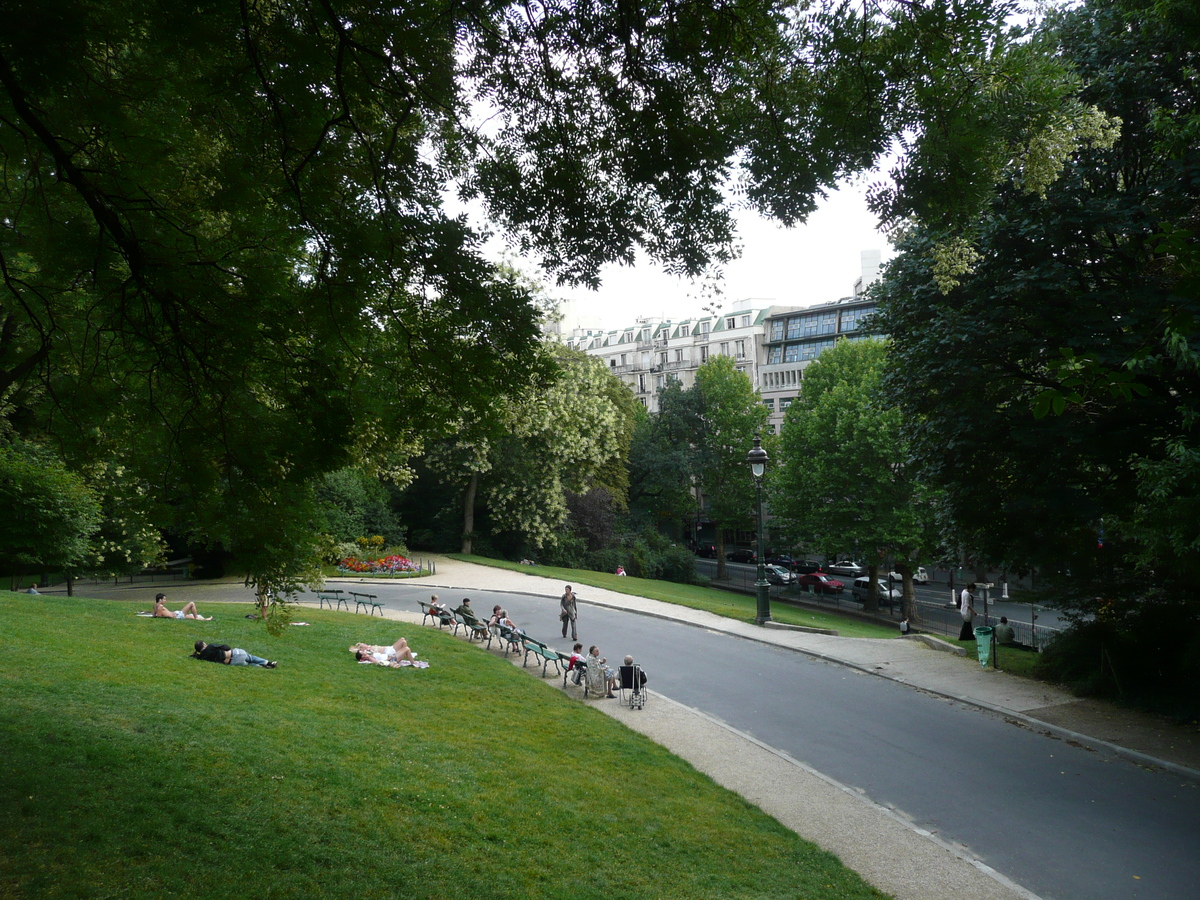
(968, 613)
(569, 613)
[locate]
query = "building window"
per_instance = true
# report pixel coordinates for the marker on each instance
(703, 327)
(745, 321)
(731, 322)
(852, 317)
(626, 337)
(739, 349)
(662, 358)
(684, 330)
(642, 383)
(791, 353)
(622, 359)
(785, 403)
(769, 403)
(678, 356)
(724, 348)
(774, 356)
(703, 355)
(613, 362)
(658, 383)
(777, 330)
(813, 350)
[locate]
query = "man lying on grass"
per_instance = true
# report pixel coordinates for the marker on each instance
(394, 656)
(230, 656)
(188, 612)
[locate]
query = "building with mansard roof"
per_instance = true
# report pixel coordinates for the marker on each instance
(771, 343)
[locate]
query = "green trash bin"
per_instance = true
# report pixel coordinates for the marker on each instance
(983, 644)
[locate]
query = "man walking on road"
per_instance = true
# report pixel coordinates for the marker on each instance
(569, 612)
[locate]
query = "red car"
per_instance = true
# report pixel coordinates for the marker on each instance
(820, 583)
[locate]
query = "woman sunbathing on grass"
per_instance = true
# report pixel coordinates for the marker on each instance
(188, 612)
(394, 656)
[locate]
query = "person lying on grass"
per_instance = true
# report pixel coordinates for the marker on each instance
(394, 656)
(188, 612)
(230, 656)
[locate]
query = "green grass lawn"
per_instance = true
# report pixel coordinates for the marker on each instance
(714, 600)
(133, 771)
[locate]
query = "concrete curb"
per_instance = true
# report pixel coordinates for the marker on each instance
(935, 643)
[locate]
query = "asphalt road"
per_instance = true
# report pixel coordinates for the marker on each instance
(1066, 823)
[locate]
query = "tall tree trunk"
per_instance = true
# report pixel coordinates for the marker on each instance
(719, 543)
(908, 601)
(469, 512)
(871, 603)
(70, 585)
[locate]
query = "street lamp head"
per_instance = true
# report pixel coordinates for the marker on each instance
(757, 457)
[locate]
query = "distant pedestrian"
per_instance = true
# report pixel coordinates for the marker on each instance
(904, 626)
(1004, 633)
(569, 612)
(967, 610)
(620, 570)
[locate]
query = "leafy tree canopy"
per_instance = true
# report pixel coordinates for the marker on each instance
(842, 483)
(225, 257)
(521, 456)
(1053, 392)
(50, 514)
(716, 420)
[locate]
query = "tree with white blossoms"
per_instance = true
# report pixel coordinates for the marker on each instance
(520, 455)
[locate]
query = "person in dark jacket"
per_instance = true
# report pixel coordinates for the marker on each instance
(230, 656)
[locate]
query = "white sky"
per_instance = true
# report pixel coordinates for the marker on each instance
(813, 263)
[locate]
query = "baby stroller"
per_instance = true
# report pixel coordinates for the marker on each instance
(633, 686)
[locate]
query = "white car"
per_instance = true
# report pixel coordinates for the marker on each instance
(862, 587)
(779, 575)
(920, 576)
(846, 567)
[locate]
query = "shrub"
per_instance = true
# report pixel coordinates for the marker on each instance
(1147, 655)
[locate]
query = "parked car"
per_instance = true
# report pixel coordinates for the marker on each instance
(780, 559)
(806, 567)
(847, 567)
(820, 583)
(706, 551)
(862, 587)
(779, 575)
(741, 555)
(920, 576)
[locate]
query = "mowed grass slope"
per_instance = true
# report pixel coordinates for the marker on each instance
(130, 770)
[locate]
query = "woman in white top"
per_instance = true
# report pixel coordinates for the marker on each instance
(383, 655)
(967, 609)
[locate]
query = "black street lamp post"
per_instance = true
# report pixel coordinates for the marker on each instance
(757, 458)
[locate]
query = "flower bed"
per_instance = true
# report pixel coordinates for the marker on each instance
(388, 565)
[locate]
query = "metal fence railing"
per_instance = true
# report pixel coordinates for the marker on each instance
(933, 618)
